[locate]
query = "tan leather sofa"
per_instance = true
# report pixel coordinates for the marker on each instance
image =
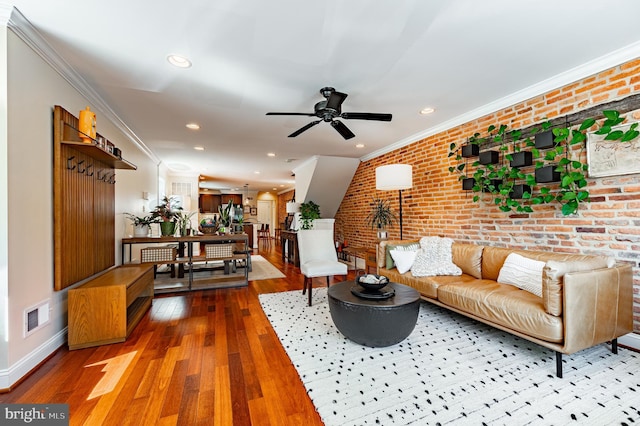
(587, 300)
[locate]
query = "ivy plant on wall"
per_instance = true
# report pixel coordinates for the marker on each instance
(512, 185)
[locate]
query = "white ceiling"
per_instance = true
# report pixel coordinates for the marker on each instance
(255, 56)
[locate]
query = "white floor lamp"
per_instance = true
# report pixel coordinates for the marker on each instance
(392, 177)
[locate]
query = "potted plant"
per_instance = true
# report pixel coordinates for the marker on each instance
(309, 212)
(209, 225)
(183, 219)
(226, 216)
(167, 214)
(141, 224)
(380, 216)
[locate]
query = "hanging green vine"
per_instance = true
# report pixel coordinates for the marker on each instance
(501, 179)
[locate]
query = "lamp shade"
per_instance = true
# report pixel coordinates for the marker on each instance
(293, 207)
(394, 176)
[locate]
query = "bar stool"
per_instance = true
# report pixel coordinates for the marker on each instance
(264, 234)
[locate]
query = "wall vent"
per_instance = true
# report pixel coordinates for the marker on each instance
(36, 317)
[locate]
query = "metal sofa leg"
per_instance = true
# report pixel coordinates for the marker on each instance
(614, 346)
(559, 364)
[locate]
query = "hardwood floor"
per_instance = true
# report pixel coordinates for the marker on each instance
(203, 358)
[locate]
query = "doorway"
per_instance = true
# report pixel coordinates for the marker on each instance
(265, 213)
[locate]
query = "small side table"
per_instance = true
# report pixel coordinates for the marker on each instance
(367, 254)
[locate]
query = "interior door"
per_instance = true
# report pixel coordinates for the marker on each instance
(265, 213)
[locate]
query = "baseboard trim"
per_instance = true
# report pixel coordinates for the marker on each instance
(20, 370)
(631, 340)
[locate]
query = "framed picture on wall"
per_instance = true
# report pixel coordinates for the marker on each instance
(612, 158)
(254, 211)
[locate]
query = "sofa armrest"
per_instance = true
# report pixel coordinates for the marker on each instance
(598, 306)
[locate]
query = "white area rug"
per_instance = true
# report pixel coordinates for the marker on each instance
(262, 269)
(450, 370)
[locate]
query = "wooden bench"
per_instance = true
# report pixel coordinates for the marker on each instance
(106, 308)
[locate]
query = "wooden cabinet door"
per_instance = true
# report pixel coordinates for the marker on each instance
(235, 199)
(209, 203)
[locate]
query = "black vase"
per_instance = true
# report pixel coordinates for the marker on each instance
(547, 174)
(489, 157)
(470, 150)
(518, 191)
(544, 140)
(521, 159)
(468, 183)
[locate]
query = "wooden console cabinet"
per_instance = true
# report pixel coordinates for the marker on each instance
(106, 309)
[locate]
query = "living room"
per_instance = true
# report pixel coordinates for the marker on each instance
(435, 205)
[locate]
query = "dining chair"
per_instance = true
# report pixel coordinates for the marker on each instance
(264, 234)
(318, 258)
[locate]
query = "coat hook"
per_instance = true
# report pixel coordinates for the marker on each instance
(69, 166)
(87, 169)
(79, 163)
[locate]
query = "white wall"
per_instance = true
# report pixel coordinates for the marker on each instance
(34, 88)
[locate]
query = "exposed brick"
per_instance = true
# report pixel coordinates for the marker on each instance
(609, 225)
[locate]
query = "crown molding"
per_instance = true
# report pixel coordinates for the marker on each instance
(21, 27)
(610, 60)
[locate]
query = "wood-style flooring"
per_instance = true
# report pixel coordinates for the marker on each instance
(209, 357)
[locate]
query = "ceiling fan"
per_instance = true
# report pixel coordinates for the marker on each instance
(330, 109)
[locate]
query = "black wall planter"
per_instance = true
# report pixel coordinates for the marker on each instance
(518, 191)
(521, 159)
(547, 174)
(489, 157)
(470, 150)
(467, 184)
(544, 140)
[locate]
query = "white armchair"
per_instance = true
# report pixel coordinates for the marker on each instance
(318, 257)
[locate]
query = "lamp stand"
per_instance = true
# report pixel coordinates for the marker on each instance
(400, 202)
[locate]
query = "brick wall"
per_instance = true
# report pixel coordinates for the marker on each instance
(283, 199)
(437, 206)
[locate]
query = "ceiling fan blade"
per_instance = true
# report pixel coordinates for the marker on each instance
(365, 116)
(342, 129)
(304, 129)
(335, 100)
(291, 113)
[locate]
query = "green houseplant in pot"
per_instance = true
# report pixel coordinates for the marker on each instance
(309, 212)
(167, 214)
(141, 224)
(226, 217)
(380, 217)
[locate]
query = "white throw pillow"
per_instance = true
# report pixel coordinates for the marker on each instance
(434, 258)
(523, 273)
(403, 259)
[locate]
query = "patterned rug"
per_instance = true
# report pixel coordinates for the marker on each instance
(450, 370)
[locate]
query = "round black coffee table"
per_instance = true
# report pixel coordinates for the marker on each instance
(374, 322)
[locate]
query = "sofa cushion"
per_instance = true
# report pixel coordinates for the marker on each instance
(523, 273)
(506, 305)
(403, 259)
(410, 246)
(434, 258)
(468, 257)
(426, 286)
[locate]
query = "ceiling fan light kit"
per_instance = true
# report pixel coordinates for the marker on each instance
(330, 110)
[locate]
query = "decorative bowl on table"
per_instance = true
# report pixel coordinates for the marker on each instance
(372, 282)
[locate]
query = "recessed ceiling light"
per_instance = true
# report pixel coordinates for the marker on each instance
(427, 110)
(360, 145)
(179, 61)
(271, 154)
(193, 126)
(257, 172)
(199, 148)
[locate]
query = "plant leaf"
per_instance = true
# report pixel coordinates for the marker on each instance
(587, 123)
(615, 135)
(630, 135)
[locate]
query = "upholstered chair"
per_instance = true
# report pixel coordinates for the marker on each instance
(318, 257)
